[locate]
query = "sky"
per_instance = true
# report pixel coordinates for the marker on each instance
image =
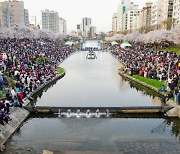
(73, 11)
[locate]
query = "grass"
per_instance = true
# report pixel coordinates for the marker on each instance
(147, 91)
(170, 49)
(60, 70)
(173, 49)
(78, 46)
(152, 82)
(2, 94)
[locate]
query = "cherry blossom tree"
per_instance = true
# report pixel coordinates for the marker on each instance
(25, 32)
(156, 36)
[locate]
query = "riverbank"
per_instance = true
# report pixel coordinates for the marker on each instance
(61, 73)
(18, 115)
(175, 112)
(141, 83)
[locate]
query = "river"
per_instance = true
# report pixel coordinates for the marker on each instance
(95, 83)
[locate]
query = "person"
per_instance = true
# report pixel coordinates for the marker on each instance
(170, 95)
(178, 97)
(176, 90)
(163, 89)
(5, 116)
(164, 99)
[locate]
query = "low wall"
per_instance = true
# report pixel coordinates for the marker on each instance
(174, 112)
(142, 83)
(44, 85)
(18, 115)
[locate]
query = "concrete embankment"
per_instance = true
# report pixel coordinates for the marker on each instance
(142, 83)
(44, 85)
(18, 115)
(174, 112)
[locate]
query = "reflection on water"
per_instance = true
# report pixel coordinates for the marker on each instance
(172, 124)
(96, 83)
(95, 134)
(92, 83)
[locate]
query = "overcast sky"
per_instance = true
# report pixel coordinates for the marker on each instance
(74, 10)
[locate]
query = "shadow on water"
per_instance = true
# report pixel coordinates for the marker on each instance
(143, 89)
(171, 124)
(40, 92)
(132, 85)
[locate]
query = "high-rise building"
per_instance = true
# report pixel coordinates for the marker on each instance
(129, 15)
(12, 12)
(92, 32)
(145, 16)
(124, 6)
(79, 30)
(5, 15)
(114, 22)
(50, 20)
(62, 27)
(176, 12)
(26, 17)
(167, 13)
(156, 13)
(17, 9)
(135, 23)
(86, 24)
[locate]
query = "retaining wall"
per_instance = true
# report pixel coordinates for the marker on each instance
(174, 112)
(142, 83)
(44, 85)
(18, 115)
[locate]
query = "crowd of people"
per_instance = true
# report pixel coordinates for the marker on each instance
(25, 64)
(149, 63)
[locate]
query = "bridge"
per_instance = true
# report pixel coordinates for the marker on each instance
(129, 110)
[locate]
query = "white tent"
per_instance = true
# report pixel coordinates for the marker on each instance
(125, 44)
(114, 43)
(69, 43)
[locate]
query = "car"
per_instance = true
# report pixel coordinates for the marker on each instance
(91, 55)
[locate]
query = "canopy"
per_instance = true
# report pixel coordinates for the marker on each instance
(69, 43)
(114, 43)
(125, 44)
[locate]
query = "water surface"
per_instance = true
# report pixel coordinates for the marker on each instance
(97, 134)
(93, 83)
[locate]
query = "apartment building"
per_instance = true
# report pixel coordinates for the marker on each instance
(176, 12)
(12, 12)
(86, 24)
(114, 22)
(156, 13)
(129, 15)
(50, 20)
(124, 6)
(62, 26)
